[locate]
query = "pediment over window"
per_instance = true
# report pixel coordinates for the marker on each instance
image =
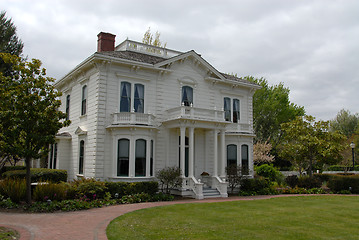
(81, 131)
(63, 135)
(187, 81)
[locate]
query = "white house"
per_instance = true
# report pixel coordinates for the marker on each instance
(136, 109)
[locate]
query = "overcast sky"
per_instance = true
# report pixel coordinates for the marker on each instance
(312, 47)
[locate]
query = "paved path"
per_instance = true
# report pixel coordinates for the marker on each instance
(87, 224)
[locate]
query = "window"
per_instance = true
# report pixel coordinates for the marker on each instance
(236, 112)
(140, 161)
(125, 102)
(67, 107)
(81, 157)
(123, 157)
(227, 109)
(139, 98)
(231, 155)
(187, 95)
(151, 159)
(84, 98)
(245, 162)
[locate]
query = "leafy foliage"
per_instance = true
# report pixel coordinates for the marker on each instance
(261, 153)
(349, 183)
(169, 177)
(270, 172)
(307, 142)
(29, 115)
(256, 186)
(39, 175)
(154, 41)
(234, 176)
(345, 123)
(14, 189)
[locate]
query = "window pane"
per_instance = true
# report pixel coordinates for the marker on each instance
(245, 163)
(151, 159)
(123, 157)
(140, 163)
(227, 109)
(125, 101)
(139, 98)
(187, 95)
(231, 155)
(68, 107)
(84, 98)
(236, 111)
(81, 157)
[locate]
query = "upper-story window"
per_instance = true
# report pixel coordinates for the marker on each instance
(125, 102)
(84, 99)
(231, 108)
(187, 95)
(67, 107)
(139, 98)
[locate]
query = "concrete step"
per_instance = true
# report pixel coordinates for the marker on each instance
(210, 193)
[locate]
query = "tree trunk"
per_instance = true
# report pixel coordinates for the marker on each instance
(310, 167)
(28, 181)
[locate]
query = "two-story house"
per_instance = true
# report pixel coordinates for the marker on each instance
(136, 109)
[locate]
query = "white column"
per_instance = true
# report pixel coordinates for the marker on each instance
(148, 157)
(182, 150)
(215, 153)
(132, 158)
(223, 154)
(191, 151)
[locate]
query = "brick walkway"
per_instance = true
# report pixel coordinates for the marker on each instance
(87, 224)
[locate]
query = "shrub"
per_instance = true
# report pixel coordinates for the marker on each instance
(11, 168)
(121, 188)
(50, 191)
(7, 203)
(169, 177)
(92, 189)
(15, 189)
(39, 174)
(309, 182)
(338, 183)
(292, 181)
(124, 188)
(268, 171)
(256, 186)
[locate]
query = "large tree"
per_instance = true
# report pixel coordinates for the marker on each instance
(271, 108)
(307, 142)
(345, 122)
(29, 115)
(9, 41)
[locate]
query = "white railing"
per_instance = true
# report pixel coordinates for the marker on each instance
(133, 118)
(193, 184)
(220, 185)
(147, 49)
(240, 127)
(195, 113)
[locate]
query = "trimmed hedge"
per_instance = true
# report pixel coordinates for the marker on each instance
(256, 186)
(125, 188)
(39, 175)
(339, 183)
(342, 168)
(11, 168)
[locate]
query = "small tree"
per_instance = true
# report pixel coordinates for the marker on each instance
(234, 176)
(169, 177)
(29, 115)
(307, 142)
(148, 39)
(261, 153)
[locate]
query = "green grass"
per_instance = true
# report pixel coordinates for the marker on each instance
(8, 234)
(304, 217)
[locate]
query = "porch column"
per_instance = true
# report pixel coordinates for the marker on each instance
(215, 153)
(223, 154)
(191, 150)
(182, 150)
(132, 158)
(148, 157)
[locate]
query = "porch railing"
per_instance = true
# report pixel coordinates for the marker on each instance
(195, 113)
(193, 184)
(133, 118)
(220, 185)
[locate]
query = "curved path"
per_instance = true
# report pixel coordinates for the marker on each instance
(87, 224)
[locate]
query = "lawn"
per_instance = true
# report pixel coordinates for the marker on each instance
(300, 217)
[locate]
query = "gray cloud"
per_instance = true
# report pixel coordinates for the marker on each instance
(310, 46)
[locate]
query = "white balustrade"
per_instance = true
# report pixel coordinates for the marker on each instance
(133, 118)
(195, 113)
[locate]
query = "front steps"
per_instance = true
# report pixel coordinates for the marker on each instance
(210, 193)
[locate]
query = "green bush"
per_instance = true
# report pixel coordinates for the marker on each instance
(11, 168)
(338, 183)
(342, 168)
(50, 191)
(169, 177)
(292, 181)
(7, 203)
(124, 188)
(309, 182)
(15, 189)
(39, 175)
(256, 186)
(91, 189)
(268, 171)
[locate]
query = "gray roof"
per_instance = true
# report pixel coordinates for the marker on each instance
(150, 59)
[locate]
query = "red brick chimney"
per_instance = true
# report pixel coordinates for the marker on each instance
(105, 42)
